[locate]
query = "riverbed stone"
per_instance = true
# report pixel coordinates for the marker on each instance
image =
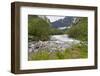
(52, 45)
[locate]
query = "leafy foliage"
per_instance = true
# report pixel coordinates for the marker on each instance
(55, 31)
(79, 30)
(38, 28)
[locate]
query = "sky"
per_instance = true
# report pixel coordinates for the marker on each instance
(54, 18)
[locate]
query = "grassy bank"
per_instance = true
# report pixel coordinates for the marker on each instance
(75, 52)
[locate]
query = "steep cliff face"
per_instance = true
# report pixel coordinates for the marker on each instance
(44, 18)
(76, 20)
(66, 22)
(63, 22)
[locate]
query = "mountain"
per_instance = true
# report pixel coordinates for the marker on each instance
(67, 21)
(44, 18)
(61, 24)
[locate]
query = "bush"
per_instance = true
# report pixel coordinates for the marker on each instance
(79, 30)
(55, 31)
(38, 28)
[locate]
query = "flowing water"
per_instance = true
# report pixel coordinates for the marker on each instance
(55, 42)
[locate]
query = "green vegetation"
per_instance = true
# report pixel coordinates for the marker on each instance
(38, 29)
(75, 52)
(55, 31)
(80, 30)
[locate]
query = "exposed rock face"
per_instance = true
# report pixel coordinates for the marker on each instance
(76, 20)
(44, 18)
(63, 22)
(66, 22)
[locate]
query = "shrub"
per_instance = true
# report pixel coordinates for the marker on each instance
(38, 28)
(79, 30)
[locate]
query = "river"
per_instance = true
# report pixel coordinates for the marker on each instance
(55, 42)
(63, 38)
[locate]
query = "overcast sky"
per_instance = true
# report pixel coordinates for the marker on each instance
(54, 18)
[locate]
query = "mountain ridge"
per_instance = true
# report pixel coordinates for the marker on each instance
(67, 21)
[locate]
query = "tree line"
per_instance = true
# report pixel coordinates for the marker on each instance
(40, 29)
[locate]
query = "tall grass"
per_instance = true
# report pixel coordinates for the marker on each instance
(75, 52)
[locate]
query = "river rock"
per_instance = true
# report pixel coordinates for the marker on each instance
(56, 43)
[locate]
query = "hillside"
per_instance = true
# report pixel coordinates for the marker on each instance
(67, 21)
(38, 28)
(79, 30)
